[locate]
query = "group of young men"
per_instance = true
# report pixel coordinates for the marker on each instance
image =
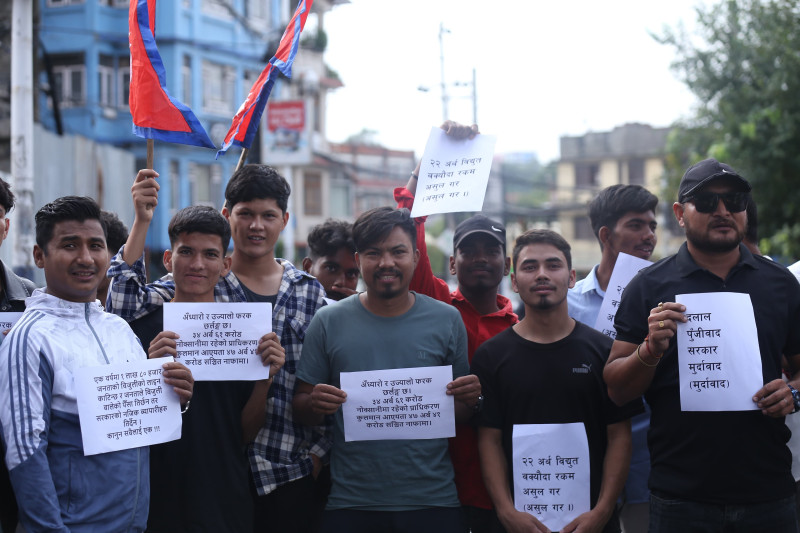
(269, 455)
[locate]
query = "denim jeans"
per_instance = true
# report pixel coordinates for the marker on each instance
(682, 516)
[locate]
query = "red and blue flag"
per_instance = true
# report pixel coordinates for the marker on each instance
(156, 114)
(245, 123)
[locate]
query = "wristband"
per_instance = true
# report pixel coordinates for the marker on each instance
(643, 361)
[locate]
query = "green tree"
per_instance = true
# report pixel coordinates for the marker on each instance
(744, 67)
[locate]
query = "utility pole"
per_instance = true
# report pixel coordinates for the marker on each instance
(445, 98)
(22, 134)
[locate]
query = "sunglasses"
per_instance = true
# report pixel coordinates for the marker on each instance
(706, 202)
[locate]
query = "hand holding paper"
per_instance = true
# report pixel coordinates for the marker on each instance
(180, 379)
(272, 353)
(662, 325)
(326, 399)
(775, 399)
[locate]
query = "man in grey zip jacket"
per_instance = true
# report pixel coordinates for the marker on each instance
(65, 328)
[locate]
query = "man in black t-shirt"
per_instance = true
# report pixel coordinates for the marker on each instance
(547, 369)
(199, 483)
(723, 470)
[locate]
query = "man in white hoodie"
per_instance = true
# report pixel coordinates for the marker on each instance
(65, 328)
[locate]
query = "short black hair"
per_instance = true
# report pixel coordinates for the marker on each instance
(751, 235)
(66, 208)
(200, 219)
(542, 236)
(376, 224)
(329, 237)
(116, 231)
(612, 203)
(257, 182)
(7, 197)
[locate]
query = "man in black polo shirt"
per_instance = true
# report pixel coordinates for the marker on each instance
(720, 470)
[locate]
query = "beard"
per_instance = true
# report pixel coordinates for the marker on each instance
(703, 241)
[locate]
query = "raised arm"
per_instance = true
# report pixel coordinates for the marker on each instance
(144, 194)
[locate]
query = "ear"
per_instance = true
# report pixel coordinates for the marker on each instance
(678, 209)
(416, 258)
(38, 256)
(226, 266)
(571, 278)
(285, 220)
(603, 235)
(226, 212)
(307, 264)
(358, 261)
(168, 260)
(514, 283)
(452, 265)
(507, 269)
(5, 230)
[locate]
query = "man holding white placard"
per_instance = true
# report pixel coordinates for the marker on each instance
(201, 481)
(389, 485)
(479, 263)
(63, 329)
(285, 458)
(721, 467)
(547, 370)
(623, 219)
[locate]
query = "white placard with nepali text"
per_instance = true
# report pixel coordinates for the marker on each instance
(453, 174)
(551, 472)
(719, 361)
(7, 321)
(126, 405)
(401, 403)
(625, 268)
(218, 341)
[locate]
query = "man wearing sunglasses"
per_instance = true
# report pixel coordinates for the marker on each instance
(711, 470)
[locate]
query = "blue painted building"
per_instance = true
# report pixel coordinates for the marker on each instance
(213, 51)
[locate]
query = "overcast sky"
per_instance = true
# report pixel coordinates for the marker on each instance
(544, 68)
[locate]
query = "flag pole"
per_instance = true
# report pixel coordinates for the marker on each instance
(242, 159)
(150, 154)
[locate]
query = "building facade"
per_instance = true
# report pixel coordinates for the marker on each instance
(632, 154)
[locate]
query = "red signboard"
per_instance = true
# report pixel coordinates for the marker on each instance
(288, 115)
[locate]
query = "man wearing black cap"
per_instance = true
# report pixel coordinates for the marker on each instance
(711, 470)
(480, 263)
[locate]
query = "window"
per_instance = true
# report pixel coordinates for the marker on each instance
(59, 3)
(216, 8)
(174, 186)
(218, 87)
(636, 172)
(69, 73)
(586, 175)
(340, 200)
(583, 228)
(205, 183)
(105, 81)
(250, 77)
(123, 81)
(312, 194)
(257, 12)
(186, 79)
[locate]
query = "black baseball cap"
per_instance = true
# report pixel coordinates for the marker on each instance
(708, 170)
(479, 224)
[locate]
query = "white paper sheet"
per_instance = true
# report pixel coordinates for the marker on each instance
(401, 403)
(625, 268)
(218, 341)
(454, 174)
(126, 405)
(551, 472)
(795, 269)
(718, 355)
(7, 321)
